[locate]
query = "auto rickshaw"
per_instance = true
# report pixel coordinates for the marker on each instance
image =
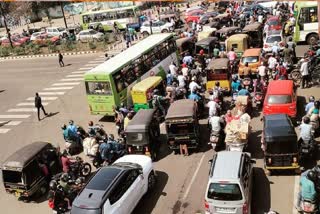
(218, 71)
(255, 32)
(22, 172)
(207, 45)
(142, 92)
(182, 125)
(223, 20)
(252, 57)
(279, 141)
(239, 42)
(142, 134)
(185, 45)
(205, 33)
(225, 32)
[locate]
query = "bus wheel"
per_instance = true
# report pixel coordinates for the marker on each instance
(312, 39)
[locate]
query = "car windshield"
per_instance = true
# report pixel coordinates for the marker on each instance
(273, 22)
(250, 59)
(12, 176)
(224, 192)
(273, 39)
(279, 99)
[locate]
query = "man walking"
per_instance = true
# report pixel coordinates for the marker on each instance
(305, 73)
(61, 63)
(38, 105)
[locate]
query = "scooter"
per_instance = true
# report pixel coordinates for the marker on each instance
(214, 140)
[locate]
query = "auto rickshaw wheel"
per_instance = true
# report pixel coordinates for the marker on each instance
(151, 181)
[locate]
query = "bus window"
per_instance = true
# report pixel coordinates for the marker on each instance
(85, 19)
(128, 75)
(118, 80)
(101, 88)
(308, 15)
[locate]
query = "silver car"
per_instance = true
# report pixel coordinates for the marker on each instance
(89, 35)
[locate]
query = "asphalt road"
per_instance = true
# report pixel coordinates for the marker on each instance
(181, 180)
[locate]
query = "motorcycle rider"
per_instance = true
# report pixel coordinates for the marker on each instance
(236, 84)
(305, 128)
(65, 162)
(56, 195)
(127, 119)
(157, 101)
(310, 104)
(193, 85)
(216, 124)
(307, 188)
(214, 108)
(232, 55)
(244, 91)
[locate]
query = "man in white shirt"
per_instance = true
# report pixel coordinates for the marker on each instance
(260, 18)
(275, 48)
(305, 73)
(272, 61)
(181, 80)
(213, 108)
(215, 123)
(193, 85)
(262, 71)
(173, 69)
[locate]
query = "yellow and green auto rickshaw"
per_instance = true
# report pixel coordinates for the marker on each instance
(239, 42)
(142, 92)
(218, 71)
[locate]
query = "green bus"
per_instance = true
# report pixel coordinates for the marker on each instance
(306, 15)
(109, 84)
(121, 16)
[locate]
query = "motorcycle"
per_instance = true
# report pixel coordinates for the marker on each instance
(308, 207)
(214, 139)
(80, 168)
(234, 99)
(236, 146)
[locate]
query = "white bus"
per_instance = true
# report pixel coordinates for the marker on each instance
(306, 28)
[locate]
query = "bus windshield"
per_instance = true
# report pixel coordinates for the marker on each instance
(102, 88)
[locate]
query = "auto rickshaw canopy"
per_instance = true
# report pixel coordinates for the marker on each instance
(141, 121)
(237, 41)
(19, 159)
(218, 64)
(257, 26)
(181, 109)
(139, 90)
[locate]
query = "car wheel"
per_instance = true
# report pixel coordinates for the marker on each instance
(312, 39)
(86, 169)
(165, 31)
(151, 181)
(145, 34)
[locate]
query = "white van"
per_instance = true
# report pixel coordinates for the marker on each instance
(230, 183)
(56, 31)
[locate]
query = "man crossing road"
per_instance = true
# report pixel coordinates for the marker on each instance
(38, 105)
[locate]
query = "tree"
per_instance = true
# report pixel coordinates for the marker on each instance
(4, 8)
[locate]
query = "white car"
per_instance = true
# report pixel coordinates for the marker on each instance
(270, 41)
(89, 35)
(118, 188)
(36, 35)
(157, 27)
(56, 31)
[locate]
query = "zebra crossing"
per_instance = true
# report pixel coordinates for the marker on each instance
(23, 110)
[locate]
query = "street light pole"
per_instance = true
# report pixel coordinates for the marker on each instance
(5, 25)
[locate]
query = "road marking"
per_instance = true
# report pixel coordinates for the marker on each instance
(15, 116)
(3, 131)
(96, 61)
(193, 178)
(22, 110)
(78, 72)
(295, 193)
(31, 104)
(44, 98)
(66, 83)
(87, 68)
(52, 93)
(92, 64)
(72, 79)
(57, 88)
(75, 75)
(10, 123)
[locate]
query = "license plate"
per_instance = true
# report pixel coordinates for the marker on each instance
(225, 210)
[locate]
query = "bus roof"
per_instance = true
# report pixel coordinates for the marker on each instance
(109, 10)
(147, 83)
(300, 4)
(125, 57)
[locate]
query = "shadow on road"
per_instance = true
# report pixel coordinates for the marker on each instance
(2, 91)
(254, 145)
(261, 196)
(149, 201)
(204, 137)
(51, 114)
(107, 119)
(164, 149)
(4, 123)
(301, 100)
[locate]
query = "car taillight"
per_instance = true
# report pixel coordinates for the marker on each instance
(266, 46)
(281, 44)
(129, 149)
(295, 159)
(269, 160)
(245, 208)
(206, 205)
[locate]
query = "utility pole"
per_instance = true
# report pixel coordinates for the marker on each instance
(64, 17)
(5, 24)
(318, 19)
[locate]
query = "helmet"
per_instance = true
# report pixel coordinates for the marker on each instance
(90, 123)
(71, 122)
(64, 126)
(311, 175)
(53, 185)
(234, 77)
(64, 177)
(217, 84)
(156, 91)
(111, 137)
(316, 104)
(311, 99)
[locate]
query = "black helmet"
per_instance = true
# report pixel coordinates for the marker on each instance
(306, 120)
(316, 104)
(64, 177)
(311, 99)
(311, 175)
(53, 185)
(111, 137)
(156, 91)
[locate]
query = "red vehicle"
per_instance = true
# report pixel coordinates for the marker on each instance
(15, 43)
(43, 39)
(274, 23)
(193, 15)
(281, 98)
(21, 38)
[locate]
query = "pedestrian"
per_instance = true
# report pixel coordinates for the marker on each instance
(61, 63)
(305, 73)
(38, 105)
